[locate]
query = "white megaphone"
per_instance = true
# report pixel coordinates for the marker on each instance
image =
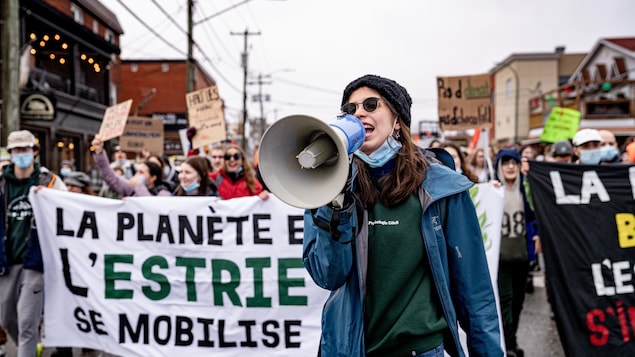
(304, 161)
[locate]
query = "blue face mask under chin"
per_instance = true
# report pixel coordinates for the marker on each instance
(382, 155)
(191, 187)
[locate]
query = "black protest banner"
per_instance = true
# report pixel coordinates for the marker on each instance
(586, 219)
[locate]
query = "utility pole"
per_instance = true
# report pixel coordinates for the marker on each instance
(10, 56)
(260, 82)
(190, 46)
(245, 55)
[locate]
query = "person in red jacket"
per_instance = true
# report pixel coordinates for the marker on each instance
(237, 178)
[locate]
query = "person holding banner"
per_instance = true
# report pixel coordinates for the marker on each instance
(147, 181)
(21, 267)
(519, 232)
(237, 178)
(403, 255)
(194, 178)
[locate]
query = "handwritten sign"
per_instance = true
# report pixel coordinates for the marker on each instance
(562, 124)
(142, 133)
(464, 102)
(114, 121)
(205, 111)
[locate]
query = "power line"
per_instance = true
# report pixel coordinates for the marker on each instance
(169, 16)
(150, 28)
(204, 55)
(329, 91)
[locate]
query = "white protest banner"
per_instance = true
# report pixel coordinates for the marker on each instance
(114, 121)
(176, 276)
(489, 201)
(205, 113)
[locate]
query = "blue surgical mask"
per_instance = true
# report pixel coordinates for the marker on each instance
(142, 179)
(22, 160)
(166, 171)
(591, 157)
(609, 153)
(65, 172)
(382, 155)
(191, 187)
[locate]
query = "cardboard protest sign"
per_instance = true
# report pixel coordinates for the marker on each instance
(205, 113)
(464, 102)
(114, 121)
(142, 132)
(562, 124)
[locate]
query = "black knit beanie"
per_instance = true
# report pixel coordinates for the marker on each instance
(392, 91)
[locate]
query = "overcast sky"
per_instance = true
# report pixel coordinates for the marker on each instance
(315, 47)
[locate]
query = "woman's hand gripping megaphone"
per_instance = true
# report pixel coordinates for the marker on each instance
(345, 198)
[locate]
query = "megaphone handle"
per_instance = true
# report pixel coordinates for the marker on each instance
(338, 201)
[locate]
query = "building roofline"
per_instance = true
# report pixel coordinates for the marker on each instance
(608, 42)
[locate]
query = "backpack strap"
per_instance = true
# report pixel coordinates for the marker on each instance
(47, 179)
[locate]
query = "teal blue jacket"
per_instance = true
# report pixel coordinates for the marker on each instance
(453, 242)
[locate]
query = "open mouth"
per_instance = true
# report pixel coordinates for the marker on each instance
(369, 128)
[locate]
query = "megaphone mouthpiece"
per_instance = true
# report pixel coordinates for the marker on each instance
(320, 151)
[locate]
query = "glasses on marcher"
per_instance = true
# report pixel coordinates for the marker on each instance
(509, 161)
(369, 105)
(235, 156)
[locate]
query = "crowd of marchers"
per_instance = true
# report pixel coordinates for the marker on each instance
(390, 180)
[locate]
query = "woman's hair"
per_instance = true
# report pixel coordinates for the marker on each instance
(473, 155)
(465, 168)
(402, 181)
(248, 169)
(158, 158)
(201, 166)
(155, 170)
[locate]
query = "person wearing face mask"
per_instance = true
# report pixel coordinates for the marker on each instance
(609, 148)
(237, 178)
(21, 278)
(402, 252)
(586, 146)
(121, 160)
(194, 178)
(66, 167)
(147, 181)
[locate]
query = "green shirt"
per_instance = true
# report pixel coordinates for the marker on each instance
(19, 213)
(402, 312)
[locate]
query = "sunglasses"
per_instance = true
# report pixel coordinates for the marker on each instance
(236, 156)
(369, 105)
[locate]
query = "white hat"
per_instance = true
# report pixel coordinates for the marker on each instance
(585, 135)
(20, 139)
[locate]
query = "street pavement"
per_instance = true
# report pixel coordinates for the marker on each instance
(537, 334)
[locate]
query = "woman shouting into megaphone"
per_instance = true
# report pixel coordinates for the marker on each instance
(403, 256)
